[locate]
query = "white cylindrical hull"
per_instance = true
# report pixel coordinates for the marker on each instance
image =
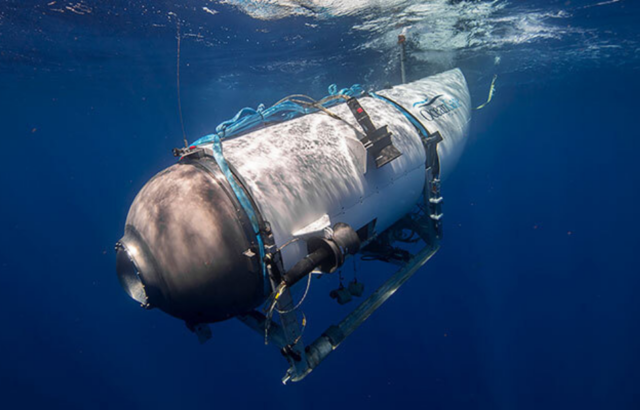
(313, 167)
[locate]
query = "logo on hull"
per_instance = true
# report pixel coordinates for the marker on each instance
(430, 111)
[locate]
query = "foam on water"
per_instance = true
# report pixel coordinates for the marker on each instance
(443, 31)
(278, 9)
(318, 33)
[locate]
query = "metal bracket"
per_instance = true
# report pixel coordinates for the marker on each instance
(287, 334)
(376, 141)
(291, 344)
(434, 201)
(319, 349)
(432, 196)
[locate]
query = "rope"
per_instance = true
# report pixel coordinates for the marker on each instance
(287, 108)
(288, 243)
(332, 115)
(295, 96)
(304, 296)
(273, 307)
(304, 326)
(184, 135)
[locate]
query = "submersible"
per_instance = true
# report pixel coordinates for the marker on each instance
(242, 216)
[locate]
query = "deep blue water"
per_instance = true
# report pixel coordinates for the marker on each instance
(531, 302)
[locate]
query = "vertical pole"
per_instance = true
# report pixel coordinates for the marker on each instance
(402, 41)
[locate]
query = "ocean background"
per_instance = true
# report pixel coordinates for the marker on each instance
(532, 302)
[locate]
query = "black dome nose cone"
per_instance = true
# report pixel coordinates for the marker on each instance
(191, 237)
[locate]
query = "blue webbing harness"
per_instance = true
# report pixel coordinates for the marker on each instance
(216, 147)
(421, 129)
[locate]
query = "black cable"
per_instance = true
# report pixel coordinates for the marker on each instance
(184, 135)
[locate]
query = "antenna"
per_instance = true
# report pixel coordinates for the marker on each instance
(184, 135)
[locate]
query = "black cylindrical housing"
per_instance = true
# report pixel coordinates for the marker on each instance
(306, 265)
(325, 254)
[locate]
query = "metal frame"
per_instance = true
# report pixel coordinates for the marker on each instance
(286, 335)
(320, 348)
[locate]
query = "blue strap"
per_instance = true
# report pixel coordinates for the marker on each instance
(248, 118)
(421, 129)
(243, 199)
